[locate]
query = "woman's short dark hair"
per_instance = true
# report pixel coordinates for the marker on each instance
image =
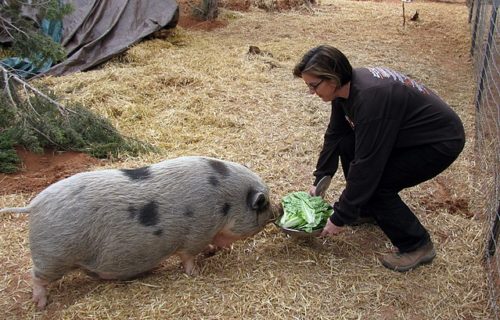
(325, 62)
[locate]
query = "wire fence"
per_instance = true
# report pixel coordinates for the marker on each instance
(485, 51)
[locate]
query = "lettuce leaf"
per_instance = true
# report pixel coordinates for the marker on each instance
(304, 212)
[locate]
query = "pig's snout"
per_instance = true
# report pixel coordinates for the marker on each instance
(276, 212)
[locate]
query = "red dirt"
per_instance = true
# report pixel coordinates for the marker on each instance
(40, 170)
(441, 197)
(188, 21)
(193, 23)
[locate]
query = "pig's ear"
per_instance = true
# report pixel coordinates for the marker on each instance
(259, 201)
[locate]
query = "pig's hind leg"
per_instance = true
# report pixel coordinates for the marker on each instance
(39, 290)
(40, 281)
(43, 273)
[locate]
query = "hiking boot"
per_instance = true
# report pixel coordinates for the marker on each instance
(409, 260)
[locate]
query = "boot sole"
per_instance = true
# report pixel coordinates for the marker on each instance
(425, 260)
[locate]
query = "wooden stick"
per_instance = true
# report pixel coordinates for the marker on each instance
(404, 17)
(62, 109)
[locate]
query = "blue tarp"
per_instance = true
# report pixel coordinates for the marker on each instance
(25, 68)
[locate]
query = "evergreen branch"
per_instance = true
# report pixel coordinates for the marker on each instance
(62, 109)
(7, 26)
(31, 105)
(46, 137)
(5, 74)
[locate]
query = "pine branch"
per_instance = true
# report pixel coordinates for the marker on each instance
(7, 26)
(5, 74)
(62, 109)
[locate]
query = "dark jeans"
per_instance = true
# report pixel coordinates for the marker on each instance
(406, 167)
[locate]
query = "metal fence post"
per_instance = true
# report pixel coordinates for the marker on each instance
(474, 28)
(487, 52)
(495, 231)
(471, 9)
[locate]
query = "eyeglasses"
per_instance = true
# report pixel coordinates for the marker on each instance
(314, 86)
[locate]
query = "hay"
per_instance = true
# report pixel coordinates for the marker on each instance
(202, 93)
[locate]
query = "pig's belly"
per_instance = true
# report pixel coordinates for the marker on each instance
(223, 241)
(125, 265)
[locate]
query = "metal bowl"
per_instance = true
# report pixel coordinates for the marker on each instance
(299, 233)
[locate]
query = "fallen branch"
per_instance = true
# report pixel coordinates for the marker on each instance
(7, 26)
(8, 75)
(7, 88)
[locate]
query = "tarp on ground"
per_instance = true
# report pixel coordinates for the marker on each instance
(97, 30)
(24, 67)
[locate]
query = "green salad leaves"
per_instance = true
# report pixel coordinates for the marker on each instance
(304, 212)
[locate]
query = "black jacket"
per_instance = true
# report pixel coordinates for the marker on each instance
(386, 110)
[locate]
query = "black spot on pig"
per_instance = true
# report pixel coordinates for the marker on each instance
(158, 232)
(219, 167)
(213, 181)
(189, 212)
(148, 215)
(137, 174)
(226, 208)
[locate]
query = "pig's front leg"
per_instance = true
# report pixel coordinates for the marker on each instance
(188, 262)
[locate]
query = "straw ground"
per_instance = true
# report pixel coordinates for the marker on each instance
(199, 92)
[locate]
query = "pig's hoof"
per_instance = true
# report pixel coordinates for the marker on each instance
(39, 292)
(40, 304)
(210, 251)
(188, 263)
(40, 298)
(191, 271)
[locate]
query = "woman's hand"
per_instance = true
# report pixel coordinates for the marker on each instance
(331, 229)
(312, 191)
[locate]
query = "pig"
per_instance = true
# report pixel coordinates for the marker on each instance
(120, 223)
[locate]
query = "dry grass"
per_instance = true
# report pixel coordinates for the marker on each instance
(201, 93)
